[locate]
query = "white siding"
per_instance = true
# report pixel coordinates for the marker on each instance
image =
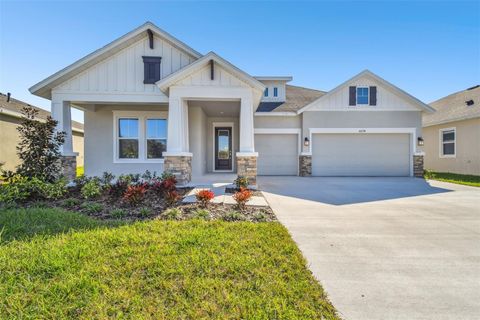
(270, 84)
(123, 72)
(221, 78)
(386, 99)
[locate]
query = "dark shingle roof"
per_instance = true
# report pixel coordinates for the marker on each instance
(296, 98)
(454, 107)
(17, 106)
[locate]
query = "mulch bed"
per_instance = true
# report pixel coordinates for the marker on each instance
(154, 206)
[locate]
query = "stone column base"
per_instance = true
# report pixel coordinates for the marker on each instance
(247, 167)
(305, 165)
(418, 166)
(180, 167)
(68, 167)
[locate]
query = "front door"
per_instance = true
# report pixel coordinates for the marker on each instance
(223, 148)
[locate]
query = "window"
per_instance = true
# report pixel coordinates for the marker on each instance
(362, 95)
(156, 138)
(141, 136)
(275, 92)
(447, 142)
(127, 138)
(265, 93)
(151, 69)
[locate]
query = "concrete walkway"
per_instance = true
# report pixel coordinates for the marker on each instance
(386, 248)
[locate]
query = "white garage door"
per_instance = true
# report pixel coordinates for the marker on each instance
(361, 154)
(277, 154)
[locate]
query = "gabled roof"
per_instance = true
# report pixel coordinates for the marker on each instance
(14, 108)
(165, 83)
(454, 107)
(43, 88)
(422, 106)
(296, 99)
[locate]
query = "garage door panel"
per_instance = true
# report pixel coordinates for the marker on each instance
(277, 154)
(361, 155)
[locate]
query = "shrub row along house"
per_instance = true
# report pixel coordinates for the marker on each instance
(10, 117)
(152, 102)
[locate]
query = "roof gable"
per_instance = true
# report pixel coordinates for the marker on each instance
(199, 71)
(394, 97)
(43, 88)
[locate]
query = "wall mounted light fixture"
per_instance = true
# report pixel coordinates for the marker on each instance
(420, 141)
(306, 142)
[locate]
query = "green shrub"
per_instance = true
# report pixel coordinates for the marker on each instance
(241, 182)
(17, 189)
(107, 179)
(118, 213)
(144, 212)
(70, 202)
(53, 191)
(233, 216)
(260, 217)
(92, 207)
(91, 189)
(202, 214)
(172, 214)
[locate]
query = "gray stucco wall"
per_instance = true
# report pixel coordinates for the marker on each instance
(361, 119)
(278, 122)
(99, 142)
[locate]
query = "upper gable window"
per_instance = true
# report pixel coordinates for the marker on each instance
(275, 92)
(447, 142)
(151, 69)
(265, 93)
(362, 95)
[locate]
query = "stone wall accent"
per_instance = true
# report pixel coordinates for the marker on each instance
(68, 167)
(418, 166)
(180, 167)
(305, 165)
(247, 167)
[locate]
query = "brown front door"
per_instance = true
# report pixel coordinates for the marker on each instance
(223, 148)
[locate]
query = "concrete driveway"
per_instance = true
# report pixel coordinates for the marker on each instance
(386, 248)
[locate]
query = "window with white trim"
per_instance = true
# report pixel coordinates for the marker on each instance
(275, 92)
(447, 142)
(265, 93)
(362, 95)
(140, 136)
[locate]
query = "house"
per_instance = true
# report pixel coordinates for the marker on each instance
(452, 134)
(152, 102)
(10, 118)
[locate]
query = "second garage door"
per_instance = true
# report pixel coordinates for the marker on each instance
(361, 155)
(277, 154)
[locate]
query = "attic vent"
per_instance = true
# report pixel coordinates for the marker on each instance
(469, 102)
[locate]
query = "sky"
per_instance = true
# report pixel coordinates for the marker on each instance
(429, 49)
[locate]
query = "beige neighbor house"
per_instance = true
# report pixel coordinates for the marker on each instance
(10, 117)
(452, 134)
(152, 102)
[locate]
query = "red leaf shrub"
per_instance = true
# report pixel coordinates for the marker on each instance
(171, 197)
(242, 197)
(135, 194)
(169, 184)
(204, 197)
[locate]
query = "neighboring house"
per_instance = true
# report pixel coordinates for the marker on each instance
(152, 102)
(452, 134)
(10, 118)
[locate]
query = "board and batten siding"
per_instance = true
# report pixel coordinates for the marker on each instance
(123, 72)
(221, 78)
(386, 99)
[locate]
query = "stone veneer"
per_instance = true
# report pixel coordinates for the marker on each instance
(180, 167)
(247, 167)
(418, 166)
(68, 167)
(305, 165)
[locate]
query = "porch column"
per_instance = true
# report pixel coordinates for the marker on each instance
(178, 159)
(247, 157)
(61, 112)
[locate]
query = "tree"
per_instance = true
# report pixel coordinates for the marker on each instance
(39, 148)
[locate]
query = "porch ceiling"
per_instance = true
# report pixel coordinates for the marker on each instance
(218, 108)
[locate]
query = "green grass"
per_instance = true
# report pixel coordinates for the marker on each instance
(80, 171)
(465, 179)
(152, 270)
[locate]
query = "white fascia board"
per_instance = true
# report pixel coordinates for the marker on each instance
(109, 49)
(422, 106)
(277, 131)
(276, 114)
(274, 78)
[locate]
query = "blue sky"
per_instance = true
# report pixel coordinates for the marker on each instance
(429, 49)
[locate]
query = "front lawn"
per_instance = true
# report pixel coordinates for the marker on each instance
(465, 179)
(152, 270)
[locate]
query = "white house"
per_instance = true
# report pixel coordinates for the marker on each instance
(152, 102)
